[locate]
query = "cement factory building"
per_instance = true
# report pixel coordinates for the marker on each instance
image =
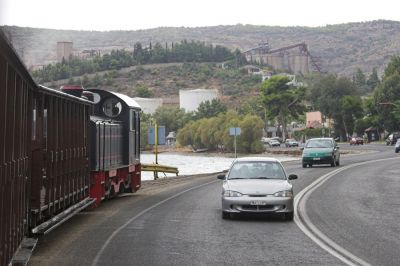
(294, 58)
(64, 50)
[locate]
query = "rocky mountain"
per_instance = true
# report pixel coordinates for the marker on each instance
(341, 48)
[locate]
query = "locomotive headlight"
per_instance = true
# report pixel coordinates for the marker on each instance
(112, 107)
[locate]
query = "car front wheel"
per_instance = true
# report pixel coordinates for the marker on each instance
(289, 216)
(226, 215)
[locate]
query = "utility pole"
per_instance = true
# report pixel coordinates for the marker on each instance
(235, 146)
(156, 147)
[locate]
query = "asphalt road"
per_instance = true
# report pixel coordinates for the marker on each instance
(359, 209)
(181, 224)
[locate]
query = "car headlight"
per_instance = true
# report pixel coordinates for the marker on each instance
(231, 193)
(285, 193)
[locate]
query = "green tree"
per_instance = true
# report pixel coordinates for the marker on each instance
(240, 58)
(213, 133)
(253, 106)
(387, 94)
(209, 109)
(85, 81)
(142, 91)
(396, 110)
(96, 81)
(71, 81)
(370, 118)
(138, 53)
(249, 140)
(282, 101)
(351, 107)
(360, 81)
(172, 118)
(373, 80)
(326, 93)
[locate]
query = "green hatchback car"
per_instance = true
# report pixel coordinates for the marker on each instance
(321, 151)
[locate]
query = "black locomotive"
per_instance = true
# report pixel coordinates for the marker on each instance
(60, 151)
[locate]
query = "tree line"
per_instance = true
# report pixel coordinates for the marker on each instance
(352, 108)
(353, 104)
(184, 51)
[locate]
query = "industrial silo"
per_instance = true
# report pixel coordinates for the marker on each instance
(298, 63)
(149, 105)
(191, 99)
(276, 60)
(64, 50)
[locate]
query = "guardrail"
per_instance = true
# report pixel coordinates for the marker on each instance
(155, 168)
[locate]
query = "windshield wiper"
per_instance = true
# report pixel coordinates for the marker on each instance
(235, 178)
(263, 177)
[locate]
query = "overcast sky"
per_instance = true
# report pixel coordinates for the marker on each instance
(141, 14)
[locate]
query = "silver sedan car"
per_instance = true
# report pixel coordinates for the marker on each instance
(257, 185)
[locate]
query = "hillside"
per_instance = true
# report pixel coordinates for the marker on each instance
(342, 48)
(165, 81)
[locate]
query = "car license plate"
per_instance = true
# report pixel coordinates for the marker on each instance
(258, 202)
(317, 159)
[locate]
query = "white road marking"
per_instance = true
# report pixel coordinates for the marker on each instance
(304, 223)
(110, 238)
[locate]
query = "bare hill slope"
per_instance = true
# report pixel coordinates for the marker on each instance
(342, 48)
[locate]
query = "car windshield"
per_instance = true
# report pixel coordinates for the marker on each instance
(256, 170)
(319, 143)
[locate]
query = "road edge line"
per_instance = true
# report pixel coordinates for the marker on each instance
(309, 229)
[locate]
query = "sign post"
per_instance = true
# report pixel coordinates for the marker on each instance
(234, 131)
(156, 136)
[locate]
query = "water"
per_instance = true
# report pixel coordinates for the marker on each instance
(191, 164)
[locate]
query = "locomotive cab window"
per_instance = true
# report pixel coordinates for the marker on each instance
(34, 107)
(112, 107)
(132, 120)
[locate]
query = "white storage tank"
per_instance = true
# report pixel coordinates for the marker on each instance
(149, 105)
(191, 99)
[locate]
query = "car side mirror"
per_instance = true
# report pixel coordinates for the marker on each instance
(337, 147)
(221, 176)
(293, 176)
(302, 148)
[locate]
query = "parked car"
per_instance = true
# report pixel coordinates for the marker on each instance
(397, 147)
(321, 151)
(257, 185)
(291, 143)
(278, 139)
(270, 142)
(356, 141)
(392, 138)
(274, 143)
